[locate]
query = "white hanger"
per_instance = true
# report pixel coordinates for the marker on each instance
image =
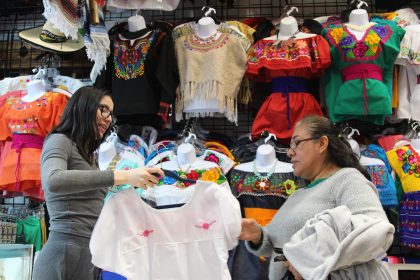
(190, 135)
(209, 11)
(292, 9)
(270, 135)
(361, 3)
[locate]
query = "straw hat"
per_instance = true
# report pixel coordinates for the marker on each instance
(49, 38)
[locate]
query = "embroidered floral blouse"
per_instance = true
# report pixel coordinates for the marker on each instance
(359, 83)
(146, 243)
(260, 199)
(406, 163)
(142, 76)
(381, 175)
(296, 57)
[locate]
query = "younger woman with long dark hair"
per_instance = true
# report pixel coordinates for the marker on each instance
(74, 186)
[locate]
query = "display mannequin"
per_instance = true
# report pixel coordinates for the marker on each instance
(206, 27)
(107, 152)
(415, 143)
(364, 161)
(289, 28)
(359, 17)
(136, 23)
(359, 21)
(265, 159)
(36, 89)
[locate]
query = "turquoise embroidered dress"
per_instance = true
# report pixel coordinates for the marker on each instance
(359, 83)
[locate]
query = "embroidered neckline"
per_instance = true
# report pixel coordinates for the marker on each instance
(194, 42)
(214, 175)
(279, 184)
(363, 28)
(369, 47)
(129, 60)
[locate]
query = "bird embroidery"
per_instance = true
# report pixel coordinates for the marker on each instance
(145, 233)
(205, 226)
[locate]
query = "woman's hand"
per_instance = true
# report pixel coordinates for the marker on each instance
(250, 231)
(290, 267)
(139, 177)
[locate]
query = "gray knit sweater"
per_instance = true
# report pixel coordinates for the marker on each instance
(74, 190)
(346, 187)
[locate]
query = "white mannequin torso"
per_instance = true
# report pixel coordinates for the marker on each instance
(136, 23)
(359, 18)
(36, 89)
(107, 151)
(366, 161)
(415, 143)
(206, 27)
(185, 154)
(288, 28)
(264, 160)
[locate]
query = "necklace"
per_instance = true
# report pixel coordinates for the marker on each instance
(263, 182)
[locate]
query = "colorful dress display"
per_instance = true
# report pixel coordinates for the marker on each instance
(141, 73)
(26, 124)
(211, 71)
(260, 202)
(406, 163)
(359, 83)
(289, 65)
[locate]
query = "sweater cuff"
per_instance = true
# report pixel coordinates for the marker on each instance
(255, 247)
(164, 110)
(107, 178)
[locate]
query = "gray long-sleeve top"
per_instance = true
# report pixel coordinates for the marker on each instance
(74, 189)
(346, 187)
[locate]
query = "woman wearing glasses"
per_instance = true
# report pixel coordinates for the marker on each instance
(75, 188)
(320, 231)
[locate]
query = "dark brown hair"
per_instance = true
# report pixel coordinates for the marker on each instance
(78, 121)
(339, 149)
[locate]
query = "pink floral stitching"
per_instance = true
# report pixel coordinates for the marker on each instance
(145, 233)
(205, 226)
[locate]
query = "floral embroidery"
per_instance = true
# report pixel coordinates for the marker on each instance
(337, 33)
(410, 163)
(145, 233)
(213, 158)
(262, 185)
(379, 176)
(129, 61)
(289, 50)
(368, 48)
(290, 186)
(279, 184)
(194, 43)
(211, 175)
(205, 226)
(410, 54)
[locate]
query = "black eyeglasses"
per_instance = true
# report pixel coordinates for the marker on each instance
(105, 112)
(295, 144)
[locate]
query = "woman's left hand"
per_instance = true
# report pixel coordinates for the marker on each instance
(290, 267)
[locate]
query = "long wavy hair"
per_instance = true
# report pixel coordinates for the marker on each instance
(339, 150)
(78, 121)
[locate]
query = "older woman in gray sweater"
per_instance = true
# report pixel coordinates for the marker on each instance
(74, 186)
(319, 153)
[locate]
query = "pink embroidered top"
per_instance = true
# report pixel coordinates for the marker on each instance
(189, 242)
